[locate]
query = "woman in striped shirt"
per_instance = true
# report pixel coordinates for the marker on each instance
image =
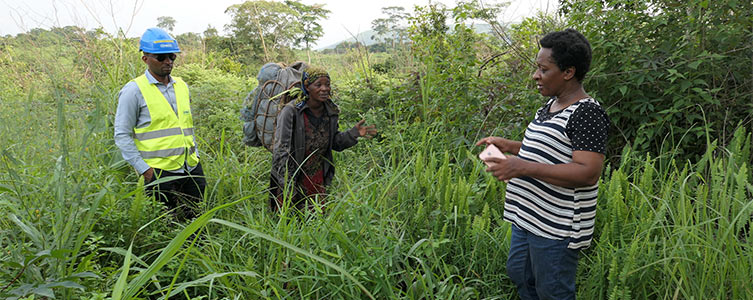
(553, 173)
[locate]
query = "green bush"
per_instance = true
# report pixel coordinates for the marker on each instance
(216, 100)
(668, 71)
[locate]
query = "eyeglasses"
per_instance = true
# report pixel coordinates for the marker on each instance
(163, 56)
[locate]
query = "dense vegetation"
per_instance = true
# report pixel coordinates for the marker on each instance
(412, 214)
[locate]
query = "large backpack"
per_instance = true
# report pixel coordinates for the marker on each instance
(263, 103)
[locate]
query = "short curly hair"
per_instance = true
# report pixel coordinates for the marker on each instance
(569, 49)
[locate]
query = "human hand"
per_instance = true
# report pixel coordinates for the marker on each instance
(366, 131)
(506, 168)
(504, 145)
(490, 151)
(148, 175)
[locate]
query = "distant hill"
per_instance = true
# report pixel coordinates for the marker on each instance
(367, 37)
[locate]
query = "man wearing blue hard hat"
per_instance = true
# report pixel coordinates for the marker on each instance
(154, 127)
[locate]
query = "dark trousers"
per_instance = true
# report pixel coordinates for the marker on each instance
(542, 268)
(183, 192)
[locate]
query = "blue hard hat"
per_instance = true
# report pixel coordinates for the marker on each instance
(155, 40)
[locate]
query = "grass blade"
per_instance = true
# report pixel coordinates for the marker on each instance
(295, 249)
(172, 248)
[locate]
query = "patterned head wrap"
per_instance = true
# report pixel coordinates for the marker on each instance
(311, 74)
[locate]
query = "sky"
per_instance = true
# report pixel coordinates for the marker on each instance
(134, 16)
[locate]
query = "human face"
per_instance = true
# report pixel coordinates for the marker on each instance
(159, 64)
(319, 90)
(550, 80)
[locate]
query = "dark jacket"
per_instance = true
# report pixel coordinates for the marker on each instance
(290, 149)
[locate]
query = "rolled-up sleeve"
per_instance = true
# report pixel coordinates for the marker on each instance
(126, 117)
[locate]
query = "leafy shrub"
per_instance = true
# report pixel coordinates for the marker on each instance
(669, 70)
(216, 99)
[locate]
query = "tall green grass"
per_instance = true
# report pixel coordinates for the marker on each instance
(681, 233)
(428, 224)
(411, 215)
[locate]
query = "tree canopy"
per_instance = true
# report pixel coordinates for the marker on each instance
(270, 28)
(308, 17)
(392, 27)
(166, 23)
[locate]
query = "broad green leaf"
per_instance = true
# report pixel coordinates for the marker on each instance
(685, 84)
(13, 264)
(60, 253)
(86, 274)
(44, 291)
(33, 258)
(32, 232)
(694, 65)
(5, 188)
(64, 284)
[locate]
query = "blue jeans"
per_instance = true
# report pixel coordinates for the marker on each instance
(541, 268)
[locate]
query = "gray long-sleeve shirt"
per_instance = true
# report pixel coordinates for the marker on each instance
(132, 112)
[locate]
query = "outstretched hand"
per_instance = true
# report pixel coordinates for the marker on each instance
(366, 131)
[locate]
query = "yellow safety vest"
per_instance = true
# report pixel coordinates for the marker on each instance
(168, 140)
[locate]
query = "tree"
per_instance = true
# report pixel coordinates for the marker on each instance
(210, 32)
(214, 42)
(307, 18)
(392, 28)
(261, 26)
(487, 11)
(189, 40)
(166, 23)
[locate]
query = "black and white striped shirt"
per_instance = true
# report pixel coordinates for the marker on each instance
(545, 209)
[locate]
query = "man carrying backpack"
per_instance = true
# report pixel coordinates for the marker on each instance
(154, 127)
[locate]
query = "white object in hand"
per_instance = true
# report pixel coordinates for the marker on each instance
(491, 151)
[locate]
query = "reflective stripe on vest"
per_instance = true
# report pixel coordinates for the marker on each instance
(168, 141)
